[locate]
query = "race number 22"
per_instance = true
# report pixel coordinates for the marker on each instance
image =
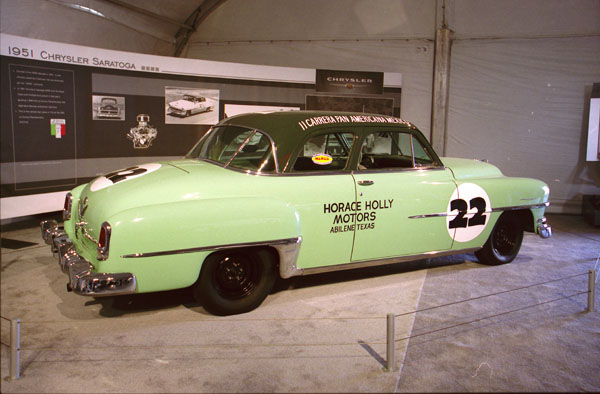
(468, 212)
(460, 221)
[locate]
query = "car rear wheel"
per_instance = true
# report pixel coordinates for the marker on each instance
(236, 281)
(504, 242)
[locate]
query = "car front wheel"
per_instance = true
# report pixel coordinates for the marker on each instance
(236, 281)
(504, 242)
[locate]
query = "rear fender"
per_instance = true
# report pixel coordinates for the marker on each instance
(165, 245)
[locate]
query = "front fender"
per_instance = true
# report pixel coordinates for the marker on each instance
(507, 194)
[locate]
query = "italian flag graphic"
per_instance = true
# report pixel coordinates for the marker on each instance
(58, 128)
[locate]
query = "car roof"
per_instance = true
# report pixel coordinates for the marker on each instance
(290, 128)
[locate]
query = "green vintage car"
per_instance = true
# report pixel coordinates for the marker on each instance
(286, 194)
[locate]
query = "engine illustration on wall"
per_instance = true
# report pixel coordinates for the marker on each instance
(108, 108)
(191, 106)
(143, 134)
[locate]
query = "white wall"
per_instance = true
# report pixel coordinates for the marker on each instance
(520, 79)
(521, 104)
(361, 35)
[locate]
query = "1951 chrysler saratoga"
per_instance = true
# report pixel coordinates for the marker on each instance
(285, 194)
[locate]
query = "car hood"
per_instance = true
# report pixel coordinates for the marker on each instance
(464, 169)
(148, 184)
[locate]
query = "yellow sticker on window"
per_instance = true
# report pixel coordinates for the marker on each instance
(322, 159)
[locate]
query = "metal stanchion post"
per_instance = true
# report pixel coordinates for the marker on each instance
(15, 348)
(391, 344)
(591, 290)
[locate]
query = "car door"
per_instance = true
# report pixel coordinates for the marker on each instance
(322, 190)
(402, 192)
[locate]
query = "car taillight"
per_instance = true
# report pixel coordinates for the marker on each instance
(104, 241)
(67, 208)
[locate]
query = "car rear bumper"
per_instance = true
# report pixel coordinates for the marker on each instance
(108, 115)
(81, 278)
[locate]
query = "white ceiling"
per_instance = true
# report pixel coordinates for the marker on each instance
(159, 27)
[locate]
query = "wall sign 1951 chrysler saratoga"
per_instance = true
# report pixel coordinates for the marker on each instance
(287, 193)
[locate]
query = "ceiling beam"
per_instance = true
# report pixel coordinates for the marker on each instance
(198, 16)
(143, 11)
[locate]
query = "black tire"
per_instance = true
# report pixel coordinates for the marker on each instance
(504, 242)
(235, 281)
(188, 113)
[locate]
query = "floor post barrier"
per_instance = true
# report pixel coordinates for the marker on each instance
(591, 290)
(15, 348)
(391, 344)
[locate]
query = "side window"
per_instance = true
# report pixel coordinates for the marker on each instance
(392, 149)
(326, 152)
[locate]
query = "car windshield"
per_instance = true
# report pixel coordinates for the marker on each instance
(193, 98)
(237, 147)
(106, 101)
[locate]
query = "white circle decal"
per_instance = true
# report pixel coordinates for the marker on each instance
(468, 212)
(123, 175)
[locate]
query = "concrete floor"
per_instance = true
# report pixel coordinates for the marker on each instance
(323, 333)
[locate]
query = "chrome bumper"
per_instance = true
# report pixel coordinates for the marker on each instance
(177, 111)
(81, 278)
(543, 229)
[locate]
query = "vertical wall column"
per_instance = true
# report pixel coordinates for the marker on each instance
(441, 77)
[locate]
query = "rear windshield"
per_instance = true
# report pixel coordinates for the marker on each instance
(236, 147)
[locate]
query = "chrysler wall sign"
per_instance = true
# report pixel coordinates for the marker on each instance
(350, 82)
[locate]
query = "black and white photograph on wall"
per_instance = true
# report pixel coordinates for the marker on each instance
(238, 109)
(108, 107)
(191, 106)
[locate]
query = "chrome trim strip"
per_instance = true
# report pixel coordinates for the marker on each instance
(501, 209)
(398, 169)
(277, 242)
(374, 263)
(81, 226)
(517, 207)
(412, 151)
(288, 257)
(431, 215)
(322, 173)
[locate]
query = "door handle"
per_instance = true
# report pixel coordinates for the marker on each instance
(365, 183)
